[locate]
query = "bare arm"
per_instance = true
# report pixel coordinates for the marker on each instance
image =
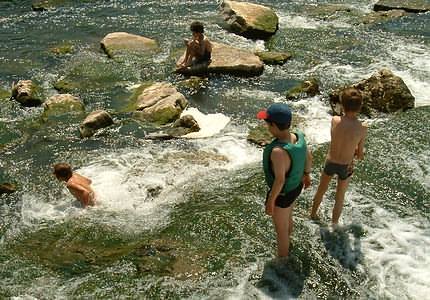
(360, 147)
(308, 169)
(280, 168)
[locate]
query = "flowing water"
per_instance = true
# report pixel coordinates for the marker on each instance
(184, 218)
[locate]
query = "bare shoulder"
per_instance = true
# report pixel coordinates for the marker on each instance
(279, 155)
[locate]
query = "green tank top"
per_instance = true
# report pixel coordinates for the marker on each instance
(297, 153)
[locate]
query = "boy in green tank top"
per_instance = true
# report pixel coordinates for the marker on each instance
(287, 164)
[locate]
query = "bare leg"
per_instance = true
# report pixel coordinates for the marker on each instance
(342, 185)
(282, 218)
(322, 189)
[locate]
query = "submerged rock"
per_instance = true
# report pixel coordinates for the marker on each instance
(7, 188)
(41, 5)
(414, 6)
(273, 58)
(227, 60)
(250, 20)
(379, 16)
(308, 88)
(383, 91)
(62, 49)
(63, 103)
(117, 43)
(94, 121)
(26, 93)
(160, 103)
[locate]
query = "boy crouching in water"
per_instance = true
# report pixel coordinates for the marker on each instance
(347, 140)
(77, 184)
(287, 164)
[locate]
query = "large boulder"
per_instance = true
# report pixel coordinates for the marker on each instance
(119, 43)
(160, 103)
(415, 6)
(94, 121)
(26, 93)
(63, 103)
(383, 92)
(250, 20)
(227, 60)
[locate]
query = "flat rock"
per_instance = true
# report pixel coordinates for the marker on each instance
(227, 60)
(63, 103)
(119, 43)
(273, 58)
(249, 19)
(415, 6)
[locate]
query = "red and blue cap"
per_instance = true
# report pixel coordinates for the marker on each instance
(278, 113)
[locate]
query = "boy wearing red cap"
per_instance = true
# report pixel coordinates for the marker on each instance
(287, 164)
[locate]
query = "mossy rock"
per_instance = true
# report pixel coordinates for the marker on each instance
(273, 58)
(62, 49)
(194, 84)
(4, 94)
(307, 88)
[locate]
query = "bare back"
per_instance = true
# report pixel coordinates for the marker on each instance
(80, 187)
(347, 139)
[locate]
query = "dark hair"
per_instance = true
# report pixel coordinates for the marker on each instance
(197, 26)
(351, 99)
(279, 125)
(63, 171)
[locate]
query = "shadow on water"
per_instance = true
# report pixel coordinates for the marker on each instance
(284, 278)
(343, 244)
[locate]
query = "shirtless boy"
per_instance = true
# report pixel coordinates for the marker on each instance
(199, 49)
(347, 141)
(77, 184)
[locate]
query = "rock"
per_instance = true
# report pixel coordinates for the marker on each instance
(94, 121)
(383, 91)
(26, 93)
(308, 88)
(160, 103)
(118, 43)
(4, 94)
(62, 49)
(273, 58)
(186, 124)
(414, 6)
(250, 20)
(63, 103)
(7, 188)
(259, 135)
(228, 60)
(41, 5)
(383, 16)
(193, 84)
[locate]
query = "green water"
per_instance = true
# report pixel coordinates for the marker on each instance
(184, 218)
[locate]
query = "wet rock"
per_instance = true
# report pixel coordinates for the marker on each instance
(62, 49)
(186, 124)
(381, 16)
(273, 58)
(193, 84)
(383, 92)
(118, 43)
(41, 5)
(227, 60)
(308, 88)
(26, 93)
(414, 6)
(63, 103)
(7, 188)
(160, 103)
(259, 135)
(94, 121)
(250, 20)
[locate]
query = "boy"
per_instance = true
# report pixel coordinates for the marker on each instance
(77, 184)
(287, 165)
(347, 140)
(199, 49)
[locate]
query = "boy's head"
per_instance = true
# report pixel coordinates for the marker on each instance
(63, 171)
(351, 100)
(197, 27)
(277, 113)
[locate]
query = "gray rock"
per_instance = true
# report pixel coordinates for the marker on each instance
(160, 103)
(118, 43)
(415, 6)
(94, 121)
(227, 60)
(250, 20)
(26, 93)
(383, 92)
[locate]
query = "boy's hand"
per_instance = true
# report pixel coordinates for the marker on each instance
(306, 180)
(270, 207)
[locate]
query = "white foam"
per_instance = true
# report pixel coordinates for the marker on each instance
(210, 124)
